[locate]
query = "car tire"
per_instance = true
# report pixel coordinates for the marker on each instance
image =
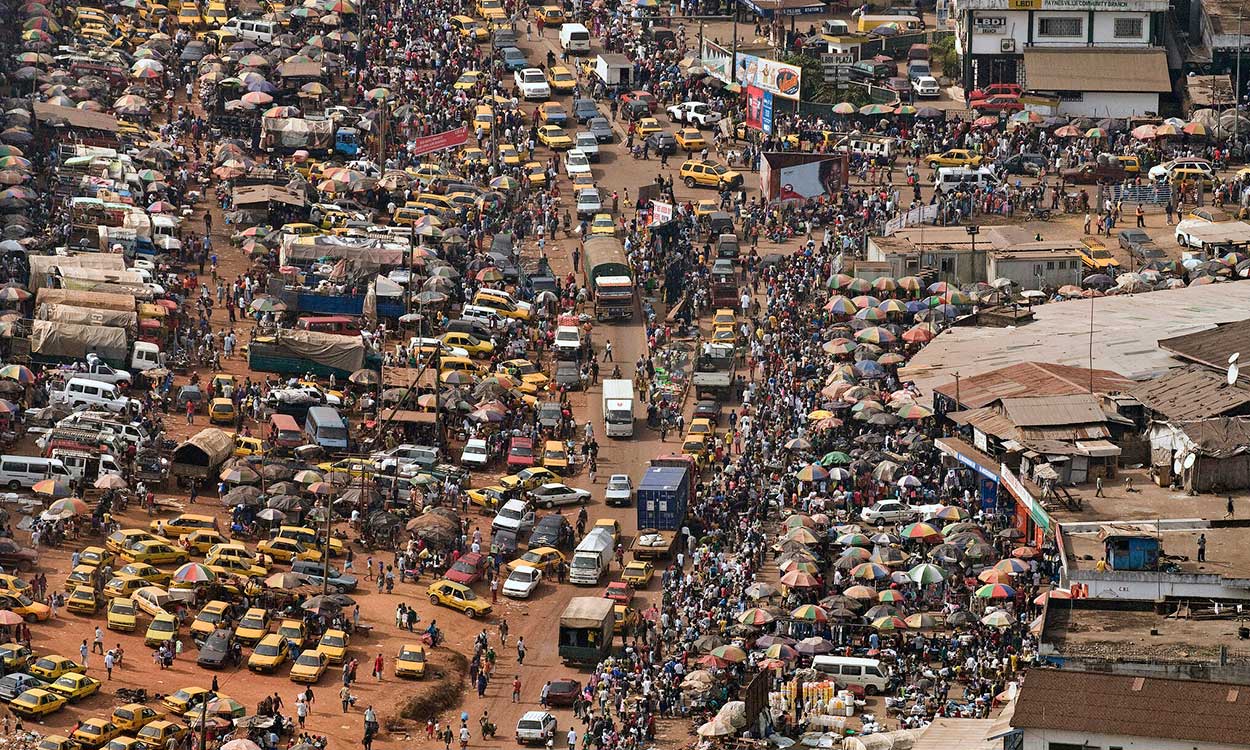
(472, 613)
(31, 618)
(434, 600)
(15, 485)
(548, 505)
(689, 182)
(933, 165)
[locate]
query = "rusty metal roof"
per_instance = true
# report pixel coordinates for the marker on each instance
(1096, 704)
(1192, 393)
(1032, 379)
(1050, 411)
(1211, 347)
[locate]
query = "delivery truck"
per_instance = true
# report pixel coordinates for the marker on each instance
(609, 277)
(663, 496)
(591, 558)
(586, 630)
(618, 408)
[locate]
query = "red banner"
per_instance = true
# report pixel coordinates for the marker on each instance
(440, 141)
(755, 107)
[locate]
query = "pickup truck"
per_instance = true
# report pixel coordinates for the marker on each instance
(588, 203)
(532, 84)
(694, 113)
(653, 544)
(94, 369)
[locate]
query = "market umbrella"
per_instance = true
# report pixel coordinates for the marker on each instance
(730, 653)
(239, 475)
(926, 573)
(19, 373)
(892, 622)
(110, 482)
(193, 573)
(51, 488)
(870, 571)
(755, 616)
(809, 613)
(69, 506)
(9, 618)
(760, 590)
(799, 579)
(813, 646)
(995, 591)
(285, 580)
(997, 619)
(922, 621)
(812, 473)
(365, 377)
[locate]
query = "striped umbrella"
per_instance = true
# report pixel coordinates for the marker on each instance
(998, 619)
(893, 306)
(857, 554)
(755, 616)
(867, 593)
(951, 513)
(835, 458)
(1046, 596)
(839, 305)
(1011, 565)
(913, 411)
(926, 573)
(844, 108)
(799, 579)
(800, 535)
(730, 653)
(870, 571)
(68, 506)
(840, 345)
(812, 473)
(320, 488)
(892, 622)
(865, 300)
(193, 573)
(875, 335)
(890, 596)
(854, 539)
(1026, 553)
(995, 591)
(810, 613)
(920, 530)
(781, 651)
(884, 284)
(922, 621)
(20, 373)
(239, 475)
(307, 476)
(51, 488)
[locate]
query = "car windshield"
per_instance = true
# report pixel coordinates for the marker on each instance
(309, 659)
(523, 576)
(332, 640)
(467, 594)
(411, 655)
(268, 649)
(123, 608)
(463, 566)
(252, 622)
(166, 626)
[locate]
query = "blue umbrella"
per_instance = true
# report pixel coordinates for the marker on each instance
(867, 368)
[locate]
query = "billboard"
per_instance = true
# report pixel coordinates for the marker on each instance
(766, 114)
(755, 108)
(774, 77)
(440, 141)
(791, 175)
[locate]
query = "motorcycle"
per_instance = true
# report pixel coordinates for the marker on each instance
(488, 728)
(1042, 214)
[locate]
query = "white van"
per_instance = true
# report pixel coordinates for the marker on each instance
(254, 29)
(574, 37)
(84, 466)
(17, 472)
(956, 178)
(104, 421)
(81, 392)
(145, 356)
(487, 316)
(849, 670)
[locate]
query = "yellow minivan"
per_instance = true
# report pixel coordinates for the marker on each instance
(469, 27)
(502, 303)
(448, 365)
(429, 201)
(221, 411)
(406, 216)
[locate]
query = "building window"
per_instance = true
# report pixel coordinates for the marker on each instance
(1128, 28)
(1050, 265)
(1071, 96)
(1060, 26)
(948, 265)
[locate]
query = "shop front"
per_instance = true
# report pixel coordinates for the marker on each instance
(1031, 519)
(976, 467)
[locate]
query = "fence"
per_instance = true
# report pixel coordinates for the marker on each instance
(1158, 194)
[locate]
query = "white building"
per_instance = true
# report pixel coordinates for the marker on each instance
(1070, 710)
(1098, 58)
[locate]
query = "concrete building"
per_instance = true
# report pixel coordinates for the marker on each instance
(1098, 58)
(1037, 265)
(1068, 710)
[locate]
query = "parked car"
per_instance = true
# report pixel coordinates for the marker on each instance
(620, 490)
(887, 511)
(552, 530)
(217, 650)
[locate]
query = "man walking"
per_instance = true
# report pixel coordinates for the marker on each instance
(1202, 548)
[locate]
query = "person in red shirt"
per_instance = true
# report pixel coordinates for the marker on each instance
(377, 666)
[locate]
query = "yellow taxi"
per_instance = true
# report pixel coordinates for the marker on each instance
(355, 467)
(29, 609)
(525, 370)
(52, 666)
(648, 125)
(164, 628)
(145, 572)
(489, 498)
(724, 335)
(183, 700)
(467, 80)
(154, 553)
(184, 523)
(333, 644)
(309, 666)
(469, 27)
(554, 137)
(474, 156)
(201, 541)
(210, 616)
(158, 733)
(602, 225)
(235, 566)
(122, 614)
(451, 366)
(293, 632)
(216, 14)
(708, 174)
(470, 343)
(550, 15)
(93, 556)
(696, 446)
(1095, 255)
(528, 479)
(537, 172)
(638, 573)
(286, 550)
(555, 456)
(690, 139)
(125, 742)
(701, 426)
(80, 576)
(411, 661)
(491, 9)
(134, 716)
(75, 686)
(38, 702)
(95, 732)
(122, 539)
(545, 559)
(483, 118)
(56, 742)
(552, 113)
(83, 601)
(705, 207)
(252, 626)
(249, 446)
(14, 657)
(724, 316)
(509, 155)
(310, 539)
(582, 180)
(271, 653)
(954, 157)
(458, 597)
(561, 79)
(189, 16)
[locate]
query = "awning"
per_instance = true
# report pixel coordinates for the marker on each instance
(407, 416)
(769, 8)
(1099, 448)
(1095, 69)
(968, 456)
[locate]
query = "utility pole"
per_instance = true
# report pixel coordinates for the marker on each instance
(1241, 12)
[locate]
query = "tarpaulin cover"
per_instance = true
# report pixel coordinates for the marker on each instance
(586, 612)
(208, 447)
(341, 352)
(295, 133)
(124, 302)
(89, 316)
(367, 255)
(73, 340)
(40, 265)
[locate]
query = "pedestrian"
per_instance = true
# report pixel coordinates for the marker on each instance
(301, 710)
(1098, 487)
(1202, 548)
(1230, 511)
(607, 351)
(108, 664)
(97, 646)
(503, 632)
(494, 590)
(516, 689)
(1141, 216)
(520, 650)
(345, 697)
(377, 666)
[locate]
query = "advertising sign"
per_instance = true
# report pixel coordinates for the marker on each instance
(810, 180)
(766, 114)
(769, 75)
(755, 108)
(661, 212)
(440, 141)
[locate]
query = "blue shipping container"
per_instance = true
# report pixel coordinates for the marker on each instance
(663, 497)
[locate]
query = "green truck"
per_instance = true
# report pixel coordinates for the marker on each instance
(607, 274)
(297, 352)
(586, 630)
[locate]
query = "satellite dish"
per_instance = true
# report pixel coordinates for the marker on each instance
(1176, 466)
(1234, 357)
(1233, 373)
(1190, 460)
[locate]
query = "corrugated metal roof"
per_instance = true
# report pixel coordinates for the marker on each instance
(1098, 69)
(1192, 393)
(1211, 347)
(1219, 437)
(1032, 379)
(1107, 704)
(1047, 411)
